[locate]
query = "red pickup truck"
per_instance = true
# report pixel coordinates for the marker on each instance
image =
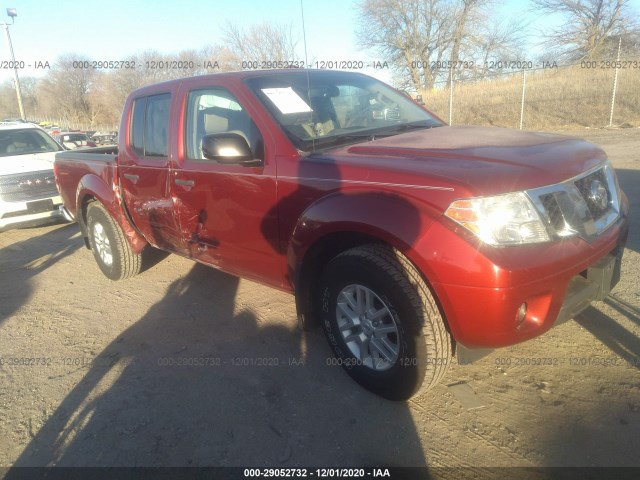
(406, 239)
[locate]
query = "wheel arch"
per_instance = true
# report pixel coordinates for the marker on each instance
(92, 188)
(308, 270)
(349, 218)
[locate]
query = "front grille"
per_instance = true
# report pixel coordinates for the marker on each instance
(595, 192)
(553, 211)
(25, 187)
(585, 206)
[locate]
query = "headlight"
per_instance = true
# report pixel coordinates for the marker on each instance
(509, 219)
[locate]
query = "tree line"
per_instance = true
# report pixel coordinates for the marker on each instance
(423, 41)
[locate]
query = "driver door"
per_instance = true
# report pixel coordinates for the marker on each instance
(226, 212)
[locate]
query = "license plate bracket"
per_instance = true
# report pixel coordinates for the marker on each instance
(40, 206)
(606, 273)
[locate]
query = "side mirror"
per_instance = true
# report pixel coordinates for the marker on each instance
(226, 147)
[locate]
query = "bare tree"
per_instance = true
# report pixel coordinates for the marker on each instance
(110, 90)
(462, 14)
(429, 40)
(259, 43)
(492, 43)
(497, 41)
(64, 92)
(218, 58)
(9, 102)
(591, 28)
(413, 35)
(29, 91)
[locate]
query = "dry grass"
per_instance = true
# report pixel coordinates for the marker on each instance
(569, 97)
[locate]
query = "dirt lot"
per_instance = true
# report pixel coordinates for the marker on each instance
(102, 390)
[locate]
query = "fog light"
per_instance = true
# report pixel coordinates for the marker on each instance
(521, 314)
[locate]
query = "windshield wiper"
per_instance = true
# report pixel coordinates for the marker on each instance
(371, 135)
(405, 127)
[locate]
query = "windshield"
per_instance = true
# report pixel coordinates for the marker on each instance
(326, 108)
(26, 141)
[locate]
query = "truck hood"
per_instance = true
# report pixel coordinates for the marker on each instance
(479, 160)
(26, 163)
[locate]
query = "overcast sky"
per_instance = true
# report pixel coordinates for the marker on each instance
(114, 29)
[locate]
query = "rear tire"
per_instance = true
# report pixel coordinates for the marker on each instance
(383, 323)
(110, 247)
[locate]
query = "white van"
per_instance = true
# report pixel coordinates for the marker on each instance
(28, 192)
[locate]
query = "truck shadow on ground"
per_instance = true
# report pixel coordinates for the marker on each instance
(25, 259)
(615, 336)
(594, 425)
(200, 381)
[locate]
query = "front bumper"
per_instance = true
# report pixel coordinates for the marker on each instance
(482, 290)
(591, 285)
(30, 213)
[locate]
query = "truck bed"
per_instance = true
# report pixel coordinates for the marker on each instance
(89, 152)
(80, 166)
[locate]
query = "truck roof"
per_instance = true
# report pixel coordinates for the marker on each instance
(239, 75)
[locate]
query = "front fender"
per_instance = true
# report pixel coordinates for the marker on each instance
(92, 187)
(397, 220)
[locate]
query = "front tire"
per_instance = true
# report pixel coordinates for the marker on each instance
(383, 323)
(109, 245)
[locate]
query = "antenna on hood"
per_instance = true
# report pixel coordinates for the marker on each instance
(306, 61)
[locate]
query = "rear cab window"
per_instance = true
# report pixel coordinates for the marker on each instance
(150, 126)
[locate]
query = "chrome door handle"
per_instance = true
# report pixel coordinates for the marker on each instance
(185, 183)
(131, 177)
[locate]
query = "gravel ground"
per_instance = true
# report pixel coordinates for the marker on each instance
(106, 387)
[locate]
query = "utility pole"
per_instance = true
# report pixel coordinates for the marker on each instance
(12, 13)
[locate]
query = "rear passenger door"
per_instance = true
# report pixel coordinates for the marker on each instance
(144, 172)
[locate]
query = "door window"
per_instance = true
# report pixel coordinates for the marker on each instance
(216, 110)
